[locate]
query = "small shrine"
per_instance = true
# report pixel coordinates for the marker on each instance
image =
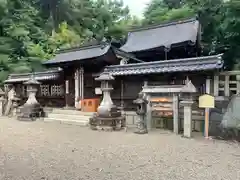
(181, 96)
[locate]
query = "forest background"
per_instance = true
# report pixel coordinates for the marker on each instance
(32, 31)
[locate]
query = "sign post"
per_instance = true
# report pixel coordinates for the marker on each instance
(206, 101)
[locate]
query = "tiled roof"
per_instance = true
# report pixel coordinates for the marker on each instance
(178, 65)
(86, 52)
(39, 76)
(164, 35)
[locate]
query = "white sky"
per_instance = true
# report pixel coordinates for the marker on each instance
(136, 6)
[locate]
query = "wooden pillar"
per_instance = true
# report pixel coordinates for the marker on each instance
(216, 85)
(175, 113)
(77, 88)
(208, 85)
(122, 89)
(81, 82)
(226, 86)
(238, 83)
(67, 92)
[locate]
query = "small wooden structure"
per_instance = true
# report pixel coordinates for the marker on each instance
(171, 109)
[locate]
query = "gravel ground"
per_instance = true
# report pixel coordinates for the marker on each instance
(38, 151)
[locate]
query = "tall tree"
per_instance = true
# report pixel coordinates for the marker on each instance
(165, 10)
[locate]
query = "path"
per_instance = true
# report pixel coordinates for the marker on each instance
(37, 151)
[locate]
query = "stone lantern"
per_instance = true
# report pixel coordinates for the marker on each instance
(31, 109)
(108, 116)
(2, 99)
(187, 101)
(141, 112)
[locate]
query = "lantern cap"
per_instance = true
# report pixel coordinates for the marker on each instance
(105, 77)
(32, 81)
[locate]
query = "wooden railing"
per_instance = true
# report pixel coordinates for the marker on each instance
(227, 83)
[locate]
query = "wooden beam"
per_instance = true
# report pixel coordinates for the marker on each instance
(229, 73)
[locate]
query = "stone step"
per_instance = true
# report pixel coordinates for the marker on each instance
(68, 116)
(68, 121)
(71, 112)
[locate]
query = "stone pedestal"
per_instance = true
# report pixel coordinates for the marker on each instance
(187, 106)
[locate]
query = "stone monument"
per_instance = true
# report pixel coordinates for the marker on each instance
(108, 116)
(2, 99)
(31, 109)
(141, 112)
(10, 97)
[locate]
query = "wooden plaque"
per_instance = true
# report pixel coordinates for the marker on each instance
(206, 101)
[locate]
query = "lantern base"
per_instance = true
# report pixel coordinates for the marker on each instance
(30, 112)
(141, 131)
(114, 122)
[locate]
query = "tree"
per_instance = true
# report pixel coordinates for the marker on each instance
(65, 38)
(228, 38)
(166, 10)
(219, 20)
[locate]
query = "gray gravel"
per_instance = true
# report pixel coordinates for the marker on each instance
(38, 151)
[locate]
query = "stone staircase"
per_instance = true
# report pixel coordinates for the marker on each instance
(71, 117)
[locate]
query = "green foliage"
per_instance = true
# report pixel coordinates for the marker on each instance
(65, 38)
(164, 14)
(31, 31)
(220, 20)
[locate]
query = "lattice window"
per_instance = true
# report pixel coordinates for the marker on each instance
(44, 89)
(57, 90)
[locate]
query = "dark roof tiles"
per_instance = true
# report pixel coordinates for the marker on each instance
(178, 65)
(164, 35)
(38, 76)
(87, 52)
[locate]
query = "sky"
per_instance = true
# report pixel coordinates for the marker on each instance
(136, 6)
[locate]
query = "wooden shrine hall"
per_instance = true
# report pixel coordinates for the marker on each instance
(165, 54)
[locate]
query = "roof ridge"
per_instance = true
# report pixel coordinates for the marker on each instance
(87, 46)
(35, 73)
(164, 24)
(170, 61)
